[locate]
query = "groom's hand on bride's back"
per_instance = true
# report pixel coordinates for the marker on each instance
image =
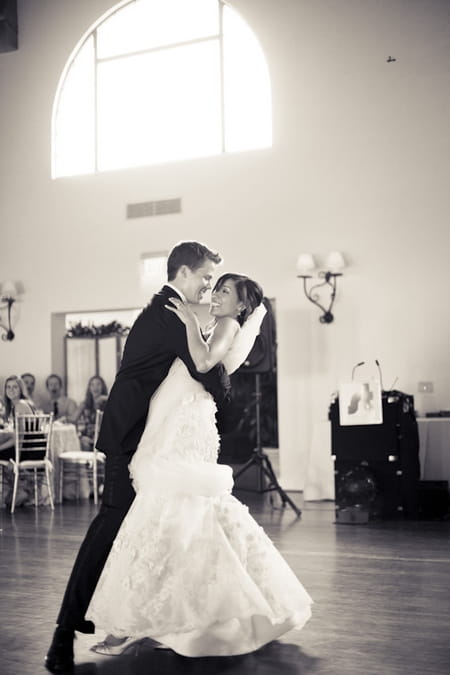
(217, 382)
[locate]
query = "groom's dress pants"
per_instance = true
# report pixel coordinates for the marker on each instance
(118, 495)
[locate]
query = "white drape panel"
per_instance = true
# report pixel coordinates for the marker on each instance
(90, 356)
(107, 359)
(80, 366)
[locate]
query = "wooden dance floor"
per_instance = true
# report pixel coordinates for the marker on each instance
(381, 592)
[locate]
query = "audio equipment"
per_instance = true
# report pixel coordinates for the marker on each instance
(262, 358)
(389, 452)
(267, 480)
(361, 363)
(8, 25)
(433, 499)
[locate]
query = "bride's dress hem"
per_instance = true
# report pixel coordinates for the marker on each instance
(190, 567)
(235, 637)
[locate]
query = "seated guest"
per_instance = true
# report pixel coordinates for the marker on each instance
(95, 399)
(61, 406)
(16, 401)
(29, 381)
(2, 413)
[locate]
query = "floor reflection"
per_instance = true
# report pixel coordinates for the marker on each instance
(277, 657)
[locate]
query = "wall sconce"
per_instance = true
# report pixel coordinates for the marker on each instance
(306, 265)
(8, 296)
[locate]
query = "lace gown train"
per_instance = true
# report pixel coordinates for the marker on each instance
(190, 567)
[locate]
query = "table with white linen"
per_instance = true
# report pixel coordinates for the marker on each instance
(434, 448)
(65, 439)
(319, 478)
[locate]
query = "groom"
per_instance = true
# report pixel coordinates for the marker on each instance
(155, 340)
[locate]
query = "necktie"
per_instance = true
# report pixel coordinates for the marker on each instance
(55, 409)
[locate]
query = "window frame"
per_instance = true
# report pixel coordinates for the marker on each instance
(92, 33)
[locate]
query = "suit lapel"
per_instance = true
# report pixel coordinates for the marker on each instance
(169, 291)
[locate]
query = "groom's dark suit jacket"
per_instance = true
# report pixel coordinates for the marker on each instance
(155, 340)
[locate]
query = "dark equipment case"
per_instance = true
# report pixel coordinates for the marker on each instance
(388, 453)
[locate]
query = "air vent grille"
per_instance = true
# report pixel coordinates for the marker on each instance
(161, 207)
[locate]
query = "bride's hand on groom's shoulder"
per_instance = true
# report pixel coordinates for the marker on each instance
(182, 310)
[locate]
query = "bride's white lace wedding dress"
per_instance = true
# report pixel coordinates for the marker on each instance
(190, 567)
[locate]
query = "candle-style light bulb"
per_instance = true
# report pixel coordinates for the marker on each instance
(305, 264)
(335, 261)
(9, 290)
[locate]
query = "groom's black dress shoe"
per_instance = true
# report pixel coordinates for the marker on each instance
(59, 657)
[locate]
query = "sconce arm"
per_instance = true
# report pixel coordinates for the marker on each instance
(329, 279)
(9, 333)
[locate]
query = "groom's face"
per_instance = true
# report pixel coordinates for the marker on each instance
(197, 282)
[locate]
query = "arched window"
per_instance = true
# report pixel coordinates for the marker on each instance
(160, 80)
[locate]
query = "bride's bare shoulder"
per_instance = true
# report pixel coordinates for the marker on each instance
(227, 324)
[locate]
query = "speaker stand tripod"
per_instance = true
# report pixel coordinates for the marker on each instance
(261, 460)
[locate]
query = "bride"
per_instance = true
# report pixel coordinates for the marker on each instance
(190, 568)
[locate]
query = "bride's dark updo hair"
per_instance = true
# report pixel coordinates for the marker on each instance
(248, 291)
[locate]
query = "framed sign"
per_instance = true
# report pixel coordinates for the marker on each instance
(360, 403)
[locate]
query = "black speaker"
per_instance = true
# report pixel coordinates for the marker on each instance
(383, 490)
(8, 25)
(389, 452)
(433, 499)
(262, 357)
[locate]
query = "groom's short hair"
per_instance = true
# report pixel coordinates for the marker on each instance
(190, 253)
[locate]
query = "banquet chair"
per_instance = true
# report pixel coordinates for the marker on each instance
(91, 461)
(32, 446)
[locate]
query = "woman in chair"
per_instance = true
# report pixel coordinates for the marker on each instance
(95, 399)
(16, 402)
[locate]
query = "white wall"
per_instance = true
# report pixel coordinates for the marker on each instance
(359, 164)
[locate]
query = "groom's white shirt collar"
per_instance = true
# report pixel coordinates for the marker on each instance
(177, 290)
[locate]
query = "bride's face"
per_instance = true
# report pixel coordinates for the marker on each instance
(225, 301)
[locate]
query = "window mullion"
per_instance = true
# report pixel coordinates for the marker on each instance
(174, 45)
(222, 77)
(96, 64)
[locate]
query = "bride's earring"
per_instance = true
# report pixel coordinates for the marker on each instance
(242, 312)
